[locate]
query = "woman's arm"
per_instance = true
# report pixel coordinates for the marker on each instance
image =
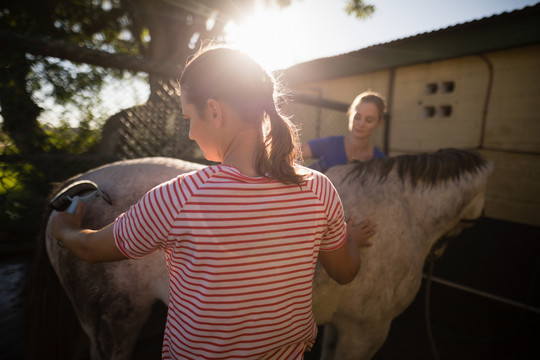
(306, 151)
(343, 263)
(89, 245)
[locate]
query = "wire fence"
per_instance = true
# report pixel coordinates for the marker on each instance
(126, 113)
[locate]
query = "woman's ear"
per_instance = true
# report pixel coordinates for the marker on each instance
(216, 111)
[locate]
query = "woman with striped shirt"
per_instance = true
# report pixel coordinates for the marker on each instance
(242, 238)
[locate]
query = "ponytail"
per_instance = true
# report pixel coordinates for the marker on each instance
(279, 149)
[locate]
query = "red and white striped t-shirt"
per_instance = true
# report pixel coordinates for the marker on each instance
(241, 253)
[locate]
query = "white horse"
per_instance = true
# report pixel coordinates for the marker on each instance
(414, 199)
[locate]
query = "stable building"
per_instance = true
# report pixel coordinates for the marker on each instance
(474, 85)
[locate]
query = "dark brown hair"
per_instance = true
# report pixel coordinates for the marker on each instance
(221, 73)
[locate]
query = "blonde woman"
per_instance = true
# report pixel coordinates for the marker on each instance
(366, 114)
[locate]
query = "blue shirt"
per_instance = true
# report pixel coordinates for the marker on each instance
(330, 151)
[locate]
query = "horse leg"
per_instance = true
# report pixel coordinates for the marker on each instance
(111, 314)
(113, 330)
(359, 339)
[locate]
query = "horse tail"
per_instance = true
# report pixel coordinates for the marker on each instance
(52, 328)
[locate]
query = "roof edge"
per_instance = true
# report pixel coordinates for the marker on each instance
(497, 32)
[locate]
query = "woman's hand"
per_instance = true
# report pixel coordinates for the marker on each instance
(362, 232)
(64, 223)
(343, 263)
(89, 245)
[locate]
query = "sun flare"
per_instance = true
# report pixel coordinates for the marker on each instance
(270, 37)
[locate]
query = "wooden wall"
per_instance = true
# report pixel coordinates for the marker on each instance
(489, 102)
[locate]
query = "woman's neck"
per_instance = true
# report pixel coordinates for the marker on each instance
(358, 149)
(246, 168)
(241, 152)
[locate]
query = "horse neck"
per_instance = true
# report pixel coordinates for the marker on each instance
(438, 209)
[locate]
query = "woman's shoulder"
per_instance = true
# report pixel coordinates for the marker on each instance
(378, 153)
(198, 176)
(311, 176)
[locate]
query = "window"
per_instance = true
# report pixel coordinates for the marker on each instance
(428, 111)
(431, 88)
(447, 87)
(444, 111)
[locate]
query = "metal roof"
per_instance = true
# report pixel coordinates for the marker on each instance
(497, 32)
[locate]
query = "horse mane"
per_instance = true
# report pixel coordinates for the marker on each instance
(427, 168)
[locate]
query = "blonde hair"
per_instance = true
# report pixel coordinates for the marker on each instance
(368, 97)
(226, 74)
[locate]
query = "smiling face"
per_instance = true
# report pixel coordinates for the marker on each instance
(364, 119)
(201, 129)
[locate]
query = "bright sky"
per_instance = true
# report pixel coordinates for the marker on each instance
(311, 29)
